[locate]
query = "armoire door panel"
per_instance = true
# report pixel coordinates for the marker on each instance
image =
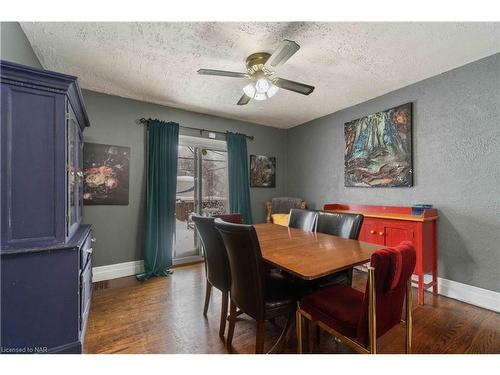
(32, 149)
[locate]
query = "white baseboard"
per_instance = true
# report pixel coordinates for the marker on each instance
(114, 271)
(487, 299)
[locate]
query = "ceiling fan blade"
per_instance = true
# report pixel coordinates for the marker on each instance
(301, 88)
(285, 50)
(244, 100)
(224, 73)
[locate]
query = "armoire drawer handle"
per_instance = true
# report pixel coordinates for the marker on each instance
(89, 250)
(92, 239)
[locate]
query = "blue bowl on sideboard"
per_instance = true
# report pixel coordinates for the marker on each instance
(418, 209)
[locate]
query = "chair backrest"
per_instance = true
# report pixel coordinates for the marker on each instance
(216, 262)
(340, 224)
(231, 218)
(393, 267)
(303, 219)
(245, 262)
(283, 205)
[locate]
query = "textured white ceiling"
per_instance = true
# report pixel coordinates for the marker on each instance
(347, 62)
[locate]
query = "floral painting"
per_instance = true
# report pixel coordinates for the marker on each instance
(378, 149)
(106, 174)
(262, 171)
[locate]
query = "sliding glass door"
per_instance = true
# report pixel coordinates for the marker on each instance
(202, 188)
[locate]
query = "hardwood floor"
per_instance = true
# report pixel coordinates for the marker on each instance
(165, 315)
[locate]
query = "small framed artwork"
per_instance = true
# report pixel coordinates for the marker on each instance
(262, 171)
(378, 149)
(106, 174)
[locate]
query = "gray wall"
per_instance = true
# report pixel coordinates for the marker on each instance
(14, 46)
(119, 229)
(456, 160)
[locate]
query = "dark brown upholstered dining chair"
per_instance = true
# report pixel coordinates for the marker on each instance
(303, 219)
(343, 225)
(216, 265)
(259, 294)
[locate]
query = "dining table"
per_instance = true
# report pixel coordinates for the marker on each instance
(310, 255)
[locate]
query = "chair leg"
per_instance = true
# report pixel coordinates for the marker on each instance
(284, 336)
(298, 323)
(232, 322)
(223, 313)
(259, 340)
(307, 334)
(372, 316)
(208, 292)
(310, 341)
(409, 321)
(318, 334)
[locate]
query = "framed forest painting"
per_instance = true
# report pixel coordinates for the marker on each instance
(262, 171)
(378, 149)
(106, 174)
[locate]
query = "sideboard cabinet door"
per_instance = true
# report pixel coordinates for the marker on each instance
(33, 158)
(397, 231)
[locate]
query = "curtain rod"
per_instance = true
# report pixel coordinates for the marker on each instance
(143, 121)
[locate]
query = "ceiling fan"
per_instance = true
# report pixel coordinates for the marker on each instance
(260, 70)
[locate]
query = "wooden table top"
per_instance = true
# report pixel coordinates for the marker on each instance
(310, 255)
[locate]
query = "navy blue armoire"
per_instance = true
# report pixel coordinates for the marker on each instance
(45, 255)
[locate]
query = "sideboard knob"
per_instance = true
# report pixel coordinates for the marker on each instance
(372, 232)
(381, 233)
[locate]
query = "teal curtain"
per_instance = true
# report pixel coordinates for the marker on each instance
(239, 190)
(163, 141)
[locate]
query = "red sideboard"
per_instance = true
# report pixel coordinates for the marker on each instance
(389, 225)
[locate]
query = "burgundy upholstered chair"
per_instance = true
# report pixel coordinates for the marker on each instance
(357, 318)
(231, 218)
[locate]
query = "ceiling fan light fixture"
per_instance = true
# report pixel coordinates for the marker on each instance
(260, 71)
(261, 89)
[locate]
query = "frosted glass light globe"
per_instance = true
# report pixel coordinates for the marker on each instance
(272, 90)
(260, 96)
(262, 85)
(249, 90)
